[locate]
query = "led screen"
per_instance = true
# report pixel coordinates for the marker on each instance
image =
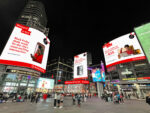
(143, 34)
(26, 47)
(80, 66)
(98, 75)
(123, 49)
(45, 83)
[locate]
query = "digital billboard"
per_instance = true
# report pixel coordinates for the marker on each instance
(45, 83)
(123, 49)
(98, 75)
(143, 34)
(26, 47)
(80, 66)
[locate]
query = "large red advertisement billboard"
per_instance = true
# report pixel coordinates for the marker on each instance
(26, 47)
(123, 49)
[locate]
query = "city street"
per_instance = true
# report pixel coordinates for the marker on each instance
(93, 105)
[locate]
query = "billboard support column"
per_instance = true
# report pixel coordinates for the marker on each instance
(98, 89)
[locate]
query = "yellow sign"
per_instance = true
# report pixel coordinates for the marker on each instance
(129, 79)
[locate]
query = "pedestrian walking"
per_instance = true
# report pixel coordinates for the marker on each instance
(118, 96)
(37, 97)
(148, 99)
(25, 97)
(55, 100)
(85, 97)
(58, 100)
(14, 98)
(121, 98)
(73, 98)
(44, 97)
(61, 100)
(32, 97)
(79, 100)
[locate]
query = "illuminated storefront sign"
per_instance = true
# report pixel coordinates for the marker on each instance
(77, 82)
(23, 72)
(129, 79)
(141, 78)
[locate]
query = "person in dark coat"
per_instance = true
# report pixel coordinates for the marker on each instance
(148, 99)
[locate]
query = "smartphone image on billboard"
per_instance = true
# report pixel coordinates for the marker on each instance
(38, 53)
(79, 70)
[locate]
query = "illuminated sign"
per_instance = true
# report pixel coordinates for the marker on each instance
(123, 49)
(143, 34)
(80, 66)
(129, 79)
(140, 78)
(96, 75)
(45, 83)
(77, 82)
(26, 47)
(23, 72)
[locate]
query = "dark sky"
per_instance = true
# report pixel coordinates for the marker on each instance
(79, 26)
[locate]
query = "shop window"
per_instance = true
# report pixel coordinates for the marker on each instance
(114, 75)
(24, 79)
(143, 73)
(32, 80)
(11, 77)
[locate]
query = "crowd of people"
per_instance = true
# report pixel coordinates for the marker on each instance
(78, 98)
(115, 97)
(17, 97)
(58, 100)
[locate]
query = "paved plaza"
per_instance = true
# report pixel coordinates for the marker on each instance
(93, 105)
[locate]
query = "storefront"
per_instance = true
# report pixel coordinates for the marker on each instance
(59, 88)
(77, 86)
(16, 79)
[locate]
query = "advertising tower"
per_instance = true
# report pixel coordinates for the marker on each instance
(25, 54)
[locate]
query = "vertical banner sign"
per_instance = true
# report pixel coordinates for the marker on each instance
(80, 66)
(102, 71)
(143, 35)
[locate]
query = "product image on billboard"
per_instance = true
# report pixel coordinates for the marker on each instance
(44, 83)
(123, 49)
(26, 47)
(80, 66)
(143, 34)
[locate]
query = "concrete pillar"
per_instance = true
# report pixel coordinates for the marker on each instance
(138, 90)
(118, 86)
(100, 89)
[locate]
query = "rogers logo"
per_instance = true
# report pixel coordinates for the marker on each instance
(79, 60)
(76, 56)
(107, 45)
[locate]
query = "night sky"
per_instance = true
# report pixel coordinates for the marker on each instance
(79, 26)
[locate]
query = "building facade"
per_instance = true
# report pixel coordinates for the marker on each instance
(133, 78)
(60, 70)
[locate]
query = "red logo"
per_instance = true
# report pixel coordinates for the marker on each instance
(76, 56)
(24, 29)
(107, 45)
